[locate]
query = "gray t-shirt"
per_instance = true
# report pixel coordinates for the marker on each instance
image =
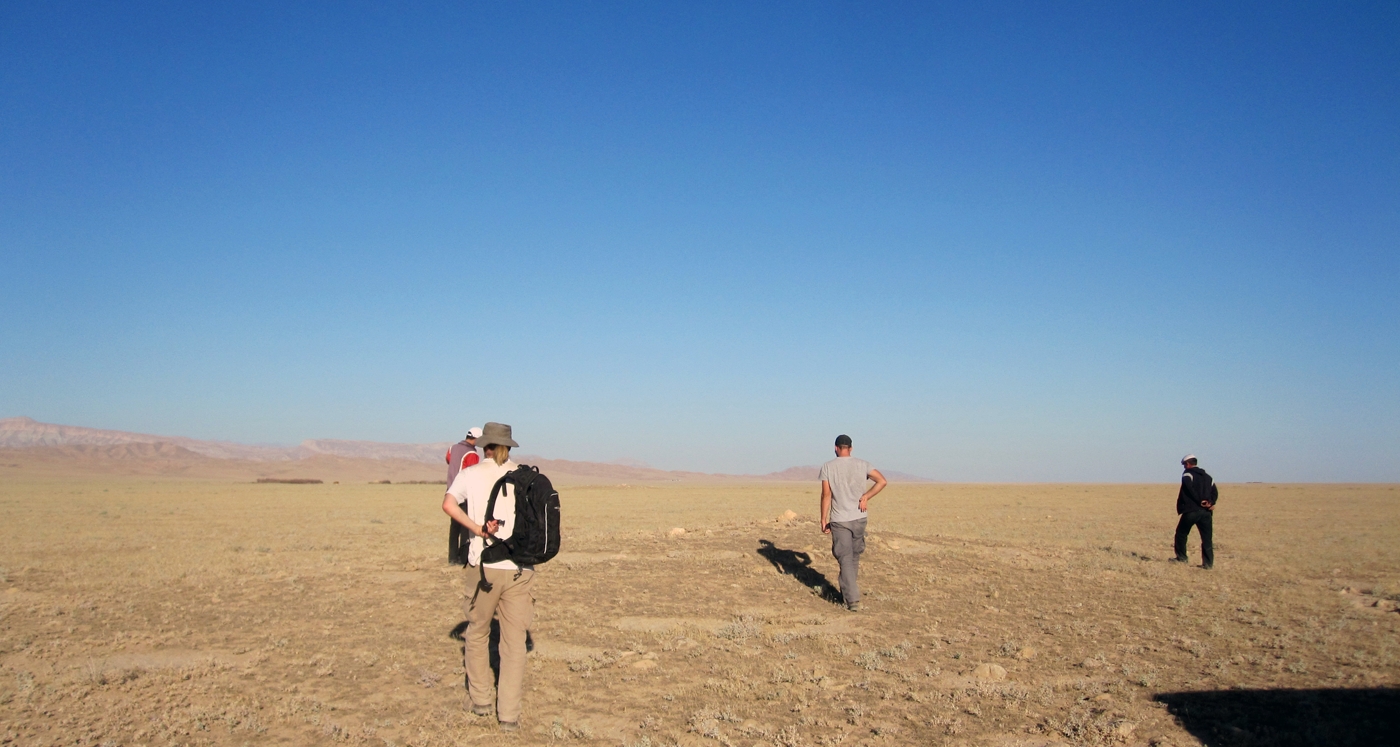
(847, 477)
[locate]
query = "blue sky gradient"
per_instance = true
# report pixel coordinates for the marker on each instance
(1026, 242)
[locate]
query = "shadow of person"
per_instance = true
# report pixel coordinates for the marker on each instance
(459, 633)
(799, 566)
(1288, 718)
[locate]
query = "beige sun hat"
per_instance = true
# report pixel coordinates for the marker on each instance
(495, 434)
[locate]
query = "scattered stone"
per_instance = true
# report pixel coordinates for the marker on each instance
(1091, 664)
(993, 672)
(644, 664)
(677, 532)
(1026, 654)
(787, 515)
(1101, 697)
(1124, 728)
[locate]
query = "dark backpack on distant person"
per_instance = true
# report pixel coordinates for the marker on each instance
(535, 538)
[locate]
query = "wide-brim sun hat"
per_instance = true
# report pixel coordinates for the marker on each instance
(496, 434)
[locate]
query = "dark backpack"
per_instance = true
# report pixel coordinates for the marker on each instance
(535, 538)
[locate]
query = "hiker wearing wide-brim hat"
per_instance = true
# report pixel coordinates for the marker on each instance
(507, 594)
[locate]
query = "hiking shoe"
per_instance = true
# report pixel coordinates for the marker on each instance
(1177, 560)
(855, 607)
(510, 725)
(480, 710)
(1207, 566)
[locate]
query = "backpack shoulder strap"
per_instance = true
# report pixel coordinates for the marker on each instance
(496, 490)
(486, 542)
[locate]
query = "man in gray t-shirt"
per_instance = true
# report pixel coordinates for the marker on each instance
(845, 501)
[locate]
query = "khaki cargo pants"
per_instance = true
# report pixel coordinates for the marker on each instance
(511, 600)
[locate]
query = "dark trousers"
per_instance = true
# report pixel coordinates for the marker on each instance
(1200, 520)
(457, 544)
(847, 544)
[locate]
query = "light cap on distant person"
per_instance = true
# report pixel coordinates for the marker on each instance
(843, 440)
(474, 432)
(1189, 458)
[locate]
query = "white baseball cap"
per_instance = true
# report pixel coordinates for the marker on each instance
(1188, 458)
(473, 432)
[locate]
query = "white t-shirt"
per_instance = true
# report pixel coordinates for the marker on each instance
(472, 489)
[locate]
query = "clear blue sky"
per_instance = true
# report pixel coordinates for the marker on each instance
(1035, 241)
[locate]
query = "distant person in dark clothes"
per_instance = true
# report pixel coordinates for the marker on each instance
(1195, 502)
(463, 454)
(845, 502)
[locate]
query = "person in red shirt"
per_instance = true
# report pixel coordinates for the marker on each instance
(462, 455)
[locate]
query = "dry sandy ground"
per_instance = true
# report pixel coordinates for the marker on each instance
(151, 611)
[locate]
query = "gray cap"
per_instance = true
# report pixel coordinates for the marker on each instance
(1188, 458)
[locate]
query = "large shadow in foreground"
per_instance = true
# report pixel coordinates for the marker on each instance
(799, 566)
(1289, 718)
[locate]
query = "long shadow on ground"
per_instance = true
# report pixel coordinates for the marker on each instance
(799, 566)
(1289, 718)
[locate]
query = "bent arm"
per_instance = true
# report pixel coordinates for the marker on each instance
(874, 490)
(450, 507)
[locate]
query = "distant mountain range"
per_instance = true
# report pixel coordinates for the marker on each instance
(26, 433)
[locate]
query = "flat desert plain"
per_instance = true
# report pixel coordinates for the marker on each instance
(141, 610)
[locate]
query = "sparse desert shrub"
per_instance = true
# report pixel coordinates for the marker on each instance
(706, 722)
(899, 652)
(741, 628)
(789, 736)
(868, 660)
(596, 661)
(1014, 693)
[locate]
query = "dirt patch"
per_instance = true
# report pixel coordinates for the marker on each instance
(262, 614)
(667, 624)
